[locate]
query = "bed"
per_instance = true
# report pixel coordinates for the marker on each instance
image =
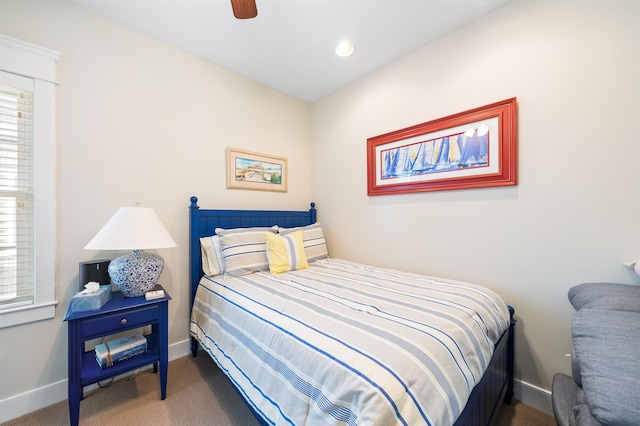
(320, 343)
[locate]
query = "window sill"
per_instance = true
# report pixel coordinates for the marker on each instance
(27, 314)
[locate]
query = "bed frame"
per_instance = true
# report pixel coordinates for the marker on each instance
(486, 398)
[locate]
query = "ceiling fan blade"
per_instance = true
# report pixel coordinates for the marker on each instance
(244, 9)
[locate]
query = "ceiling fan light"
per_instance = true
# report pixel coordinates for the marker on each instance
(344, 49)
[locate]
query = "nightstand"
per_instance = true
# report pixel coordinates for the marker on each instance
(117, 315)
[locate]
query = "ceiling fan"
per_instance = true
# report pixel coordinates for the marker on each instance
(244, 9)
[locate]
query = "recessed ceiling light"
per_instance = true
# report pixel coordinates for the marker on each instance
(344, 49)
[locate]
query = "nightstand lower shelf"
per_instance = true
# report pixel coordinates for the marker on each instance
(91, 372)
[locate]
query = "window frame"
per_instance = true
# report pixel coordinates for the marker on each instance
(31, 61)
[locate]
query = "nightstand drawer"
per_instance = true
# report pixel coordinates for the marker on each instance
(120, 321)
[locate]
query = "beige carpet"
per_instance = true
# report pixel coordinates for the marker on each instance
(198, 393)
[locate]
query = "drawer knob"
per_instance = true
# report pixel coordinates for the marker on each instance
(123, 321)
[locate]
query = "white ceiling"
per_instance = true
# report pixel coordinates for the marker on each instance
(289, 46)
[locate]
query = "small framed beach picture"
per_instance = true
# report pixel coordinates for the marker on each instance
(255, 171)
(471, 149)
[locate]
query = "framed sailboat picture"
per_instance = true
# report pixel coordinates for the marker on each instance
(471, 149)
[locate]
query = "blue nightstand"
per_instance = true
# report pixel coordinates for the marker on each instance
(117, 315)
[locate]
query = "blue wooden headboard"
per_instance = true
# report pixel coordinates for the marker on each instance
(203, 223)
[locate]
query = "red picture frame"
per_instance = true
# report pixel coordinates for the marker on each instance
(472, 149)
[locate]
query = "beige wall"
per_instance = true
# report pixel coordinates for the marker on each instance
(573, 217)
(140, 121)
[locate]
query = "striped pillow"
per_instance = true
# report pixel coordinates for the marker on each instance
(285, 253)
(244, 250)
(315, 246)
(211, 257)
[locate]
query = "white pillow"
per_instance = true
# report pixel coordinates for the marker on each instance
(315, 246)
(211, 256)
(244, 250)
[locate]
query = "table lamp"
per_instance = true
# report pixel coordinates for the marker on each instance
(137, 229)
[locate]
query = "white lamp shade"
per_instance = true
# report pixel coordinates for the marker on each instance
(132, 228)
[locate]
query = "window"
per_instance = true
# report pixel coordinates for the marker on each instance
(16, 193)
(27, 182)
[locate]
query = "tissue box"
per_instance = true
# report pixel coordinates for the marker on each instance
(91, 301)
(121, 349)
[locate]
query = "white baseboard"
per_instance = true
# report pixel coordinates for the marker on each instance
(533, 395)
(35, 399)
(180, 349)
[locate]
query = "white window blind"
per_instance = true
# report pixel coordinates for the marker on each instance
(16, 197)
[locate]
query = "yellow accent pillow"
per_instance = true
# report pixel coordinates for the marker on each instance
(285, 253)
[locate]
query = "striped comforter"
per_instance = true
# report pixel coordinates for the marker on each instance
(345, 343)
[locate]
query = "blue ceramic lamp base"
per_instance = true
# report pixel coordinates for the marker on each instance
(136, 273)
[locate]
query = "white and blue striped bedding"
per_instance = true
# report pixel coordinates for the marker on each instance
(345, 343)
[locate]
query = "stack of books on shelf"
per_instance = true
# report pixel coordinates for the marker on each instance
(121, 349)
